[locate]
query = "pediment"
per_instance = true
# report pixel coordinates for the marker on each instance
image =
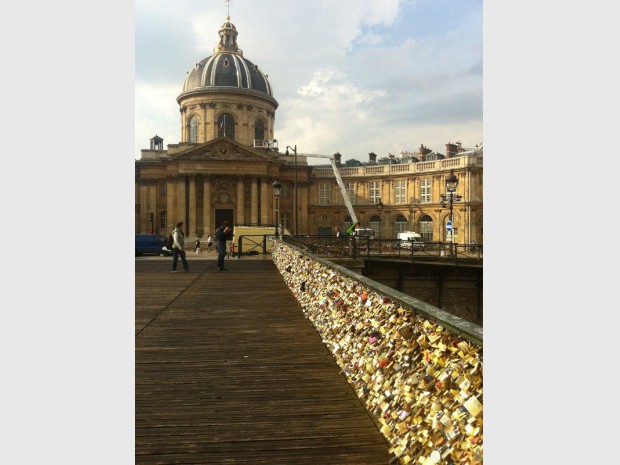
(222, 149)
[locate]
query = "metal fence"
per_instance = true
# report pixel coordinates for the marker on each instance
(364, 247)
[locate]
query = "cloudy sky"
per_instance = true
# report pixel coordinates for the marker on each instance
(352, 76)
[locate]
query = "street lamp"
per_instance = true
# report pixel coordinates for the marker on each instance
(276, 193)
(380, 205)
(451, 184)
(294, 149)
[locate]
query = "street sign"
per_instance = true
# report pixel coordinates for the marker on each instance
(449, 226)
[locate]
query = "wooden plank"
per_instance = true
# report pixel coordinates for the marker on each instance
(228, 370)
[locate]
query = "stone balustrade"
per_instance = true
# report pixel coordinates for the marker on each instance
(401, 168)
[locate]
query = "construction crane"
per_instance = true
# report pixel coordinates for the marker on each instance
(343, 190)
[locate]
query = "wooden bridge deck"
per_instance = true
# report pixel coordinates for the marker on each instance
(228, 370)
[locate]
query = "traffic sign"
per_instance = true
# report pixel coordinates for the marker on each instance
(449, 226)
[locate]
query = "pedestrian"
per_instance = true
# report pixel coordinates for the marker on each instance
(221, 234)
(197, 248)
(209, 243)
(339, 233)
(178, 243)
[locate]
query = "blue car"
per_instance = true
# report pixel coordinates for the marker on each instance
(151, 244)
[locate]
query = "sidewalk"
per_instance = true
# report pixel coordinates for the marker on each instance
(228, 370)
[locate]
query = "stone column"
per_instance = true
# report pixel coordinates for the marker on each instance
(184, 132)
(264, 202)
(206, 207)
(203, 106)
(181, 202)
(212, 123)
(254, 202)
(192, 206)
(153, 207)
(143, 208)
(240, 201)
(170, 204)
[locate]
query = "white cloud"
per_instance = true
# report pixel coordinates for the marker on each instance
(353, 75)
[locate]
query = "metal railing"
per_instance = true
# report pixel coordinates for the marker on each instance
(254, 243)
(364, 247)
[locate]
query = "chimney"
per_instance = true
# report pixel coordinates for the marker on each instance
(337, 158)
(423, 151)
(372, 157)
(451, 150)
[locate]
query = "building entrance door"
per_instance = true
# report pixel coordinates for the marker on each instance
(224, 214)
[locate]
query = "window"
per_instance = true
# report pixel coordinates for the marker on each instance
(350, 188)
(324, 193)
(226, 126)
(425, 190)
(375, 225)
(285, 192)
(426, 228)
(375, 191)
(455, 232)
(162, 220)
(259, 131)
(162, 189)
(400, 191)
(193, 129)
(400, 224)
(285, 221)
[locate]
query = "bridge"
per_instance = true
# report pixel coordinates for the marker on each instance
(243, 367)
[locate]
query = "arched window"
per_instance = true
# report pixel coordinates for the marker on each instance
(226, 126)
(259, 132)
(400, 224)
(375, 225)
(193, 129)
(426, 228)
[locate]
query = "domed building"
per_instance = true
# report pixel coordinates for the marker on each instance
(227, 159)
(226, 95)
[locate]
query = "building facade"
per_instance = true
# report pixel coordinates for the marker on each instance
(227, 159)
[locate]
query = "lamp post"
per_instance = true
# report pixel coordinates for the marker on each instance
(276, 193)
(451, 184)
(294, 149)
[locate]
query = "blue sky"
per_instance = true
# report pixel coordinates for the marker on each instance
(352, 76)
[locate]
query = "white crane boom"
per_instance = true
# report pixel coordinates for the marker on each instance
(343, 190)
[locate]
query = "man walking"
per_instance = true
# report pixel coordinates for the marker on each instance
(178, 242)
(221, 234)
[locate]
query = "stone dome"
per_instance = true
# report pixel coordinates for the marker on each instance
(227, 69)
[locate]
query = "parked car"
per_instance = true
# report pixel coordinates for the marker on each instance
(151, 244)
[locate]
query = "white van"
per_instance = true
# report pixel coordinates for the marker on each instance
(410, 239)
(365, 232)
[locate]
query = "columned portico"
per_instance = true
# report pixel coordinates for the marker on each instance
(254, 202)
(192, 206)
(264, 201)
(206, 207)
(180, 202)
(171, 210)
(240, 201)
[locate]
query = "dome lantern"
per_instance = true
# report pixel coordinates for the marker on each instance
(228, 38)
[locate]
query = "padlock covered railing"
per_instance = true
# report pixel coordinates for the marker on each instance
(416, 368)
